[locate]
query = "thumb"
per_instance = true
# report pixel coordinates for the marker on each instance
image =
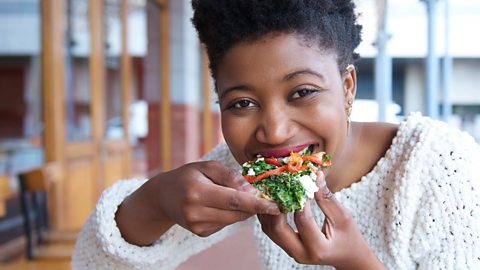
(327, 202)
(224, 176)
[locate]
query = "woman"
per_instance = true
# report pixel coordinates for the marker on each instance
(406, 197)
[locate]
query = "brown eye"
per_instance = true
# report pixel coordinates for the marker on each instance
(242, 104)
(303, 93)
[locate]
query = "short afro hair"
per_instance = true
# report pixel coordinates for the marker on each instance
(332, 24)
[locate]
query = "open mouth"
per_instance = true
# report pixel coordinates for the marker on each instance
(307, 150)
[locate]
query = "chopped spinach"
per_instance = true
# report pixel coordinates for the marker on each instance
(284, 189)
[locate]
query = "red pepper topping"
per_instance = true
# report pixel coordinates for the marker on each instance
(295, 164)
(278, 170)
(249, 178)
(313, 159)
(273, 161)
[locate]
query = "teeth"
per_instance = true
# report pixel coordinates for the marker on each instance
(304, 150)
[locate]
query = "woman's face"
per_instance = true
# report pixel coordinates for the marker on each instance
(279, 94)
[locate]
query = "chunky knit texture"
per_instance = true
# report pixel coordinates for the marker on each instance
(418, 209)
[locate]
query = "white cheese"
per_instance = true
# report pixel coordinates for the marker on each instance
(309, 185)
(251, 172)
(259, 159)
(246, 164)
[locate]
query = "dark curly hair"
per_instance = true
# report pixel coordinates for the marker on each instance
(332, 24)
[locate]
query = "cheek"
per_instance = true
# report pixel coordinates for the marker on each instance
(329, 124)
(236, 135)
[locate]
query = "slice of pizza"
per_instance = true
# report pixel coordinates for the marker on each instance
(289, 181)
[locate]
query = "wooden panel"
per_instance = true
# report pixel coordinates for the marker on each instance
(4, 194)
(116, 145)
(97, 71)
(53, 96)
(53, 78)
(162, 3)
(97, 85)
(80, 189)
(126, 73)
(114, 169)
(79, 149)
(165, 125)
(114, 161)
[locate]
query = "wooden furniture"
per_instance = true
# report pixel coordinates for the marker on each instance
(5, 193)
(35, 186)
(92, 164)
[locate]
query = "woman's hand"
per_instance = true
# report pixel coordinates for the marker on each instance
(202, 197)
(339, 242)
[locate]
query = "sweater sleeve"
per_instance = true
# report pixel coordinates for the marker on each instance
(447, 230)
(101, 246)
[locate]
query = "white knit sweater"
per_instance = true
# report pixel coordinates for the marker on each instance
(418, 209)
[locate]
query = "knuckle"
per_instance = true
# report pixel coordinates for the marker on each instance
(327, 194)
(204, 233)
(203, 230)
(345, 218)
(233, 202)
(192, 196)
(196, 229)
(318, 257)
(299, 259)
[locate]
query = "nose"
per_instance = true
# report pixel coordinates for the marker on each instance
(276, 126)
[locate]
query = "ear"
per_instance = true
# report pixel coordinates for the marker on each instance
(349, 83)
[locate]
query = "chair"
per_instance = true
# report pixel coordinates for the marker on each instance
(35, 185)
(5, 194)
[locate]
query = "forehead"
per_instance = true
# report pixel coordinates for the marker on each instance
(272, 57)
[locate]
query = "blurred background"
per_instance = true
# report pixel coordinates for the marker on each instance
(96, 91)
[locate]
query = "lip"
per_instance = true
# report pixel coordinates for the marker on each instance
(283, 151)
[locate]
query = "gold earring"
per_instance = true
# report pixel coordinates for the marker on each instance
(349, 68)
(349, 112)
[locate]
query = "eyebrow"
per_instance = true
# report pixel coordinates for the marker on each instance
(307, 71)
(287, 77)
(233, 88)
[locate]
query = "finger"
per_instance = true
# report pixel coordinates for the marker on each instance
(225, 176)
(213, 220)
(327, 202)
(280, 232)
(234, 200)
(205, 229)
(217, 216)
(309, 231)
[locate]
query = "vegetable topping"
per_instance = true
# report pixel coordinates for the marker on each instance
(289, 181)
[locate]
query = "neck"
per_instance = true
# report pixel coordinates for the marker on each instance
(366, 144)
(340, 174)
